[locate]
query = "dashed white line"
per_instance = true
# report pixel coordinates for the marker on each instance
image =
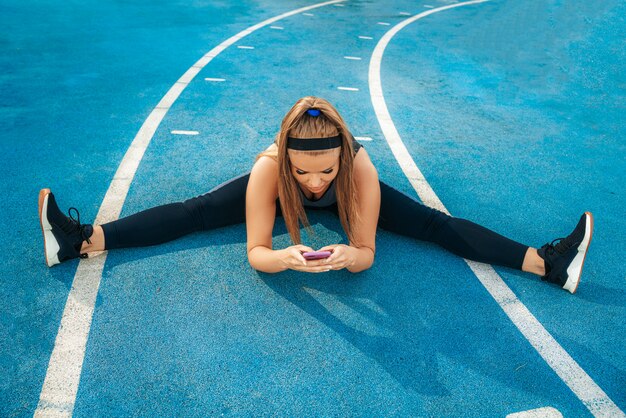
(308, 14)
(353, 58)
(176, 132)
(277, 27)
(383, 23)
(217, 80)
(60, 386)
(592, 396)
(348, 88)
(365, 37)
(245, 47)
(405, 14)
(428, 6)
(339, 5)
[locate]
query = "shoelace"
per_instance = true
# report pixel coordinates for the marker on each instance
(551, 248)
(565, 244)
(81, 227)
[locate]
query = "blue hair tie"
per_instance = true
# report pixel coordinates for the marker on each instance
(313, 112)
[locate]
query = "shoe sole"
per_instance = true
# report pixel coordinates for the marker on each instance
(575, 269)
(50, 245)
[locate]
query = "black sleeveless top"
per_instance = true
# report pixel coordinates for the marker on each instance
(329, 197)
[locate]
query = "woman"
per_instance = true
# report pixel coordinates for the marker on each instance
(314, 162)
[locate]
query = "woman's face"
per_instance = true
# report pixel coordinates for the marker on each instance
(314, 173)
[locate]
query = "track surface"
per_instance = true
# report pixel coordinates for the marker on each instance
(512, 112)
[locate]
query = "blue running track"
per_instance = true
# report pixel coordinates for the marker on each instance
(513, 111)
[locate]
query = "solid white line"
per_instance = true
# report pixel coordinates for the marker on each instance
(214, 79)
(185, 132)
(362, 138)
(58, 393)
(365, 37)
(348, 88)
(592, 396)
(353, 58)
(245, 47)
(545, 412)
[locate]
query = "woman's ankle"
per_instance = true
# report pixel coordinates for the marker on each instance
(533, 263)
(97, 241)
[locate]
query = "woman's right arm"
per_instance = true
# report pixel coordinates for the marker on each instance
(261, 196)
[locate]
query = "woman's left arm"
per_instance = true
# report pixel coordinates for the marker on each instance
(368, 189)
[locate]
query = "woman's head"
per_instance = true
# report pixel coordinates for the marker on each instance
(314, 148)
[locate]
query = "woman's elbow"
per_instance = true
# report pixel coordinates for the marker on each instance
(364, 264)
(358, 269)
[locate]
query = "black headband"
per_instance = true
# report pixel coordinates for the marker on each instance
(312, 144)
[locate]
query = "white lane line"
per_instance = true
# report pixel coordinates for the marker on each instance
(339, 5)
(218, 80)
(277, 27)
(405, 14)
(58, 393)
(353, 58)
(428, 6)
(545, 412)
(308, 14)
(365, 37)
(348, 88)
(245, 47)
(383, 23)
(592, 396)
(175, 132)
(363, 138)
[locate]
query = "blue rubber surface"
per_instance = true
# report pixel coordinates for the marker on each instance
(512, 110)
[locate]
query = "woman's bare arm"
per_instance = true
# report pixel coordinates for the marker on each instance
(261, 197)
(368, 188)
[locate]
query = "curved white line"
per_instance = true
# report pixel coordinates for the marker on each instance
(557, 358)
(60, 386)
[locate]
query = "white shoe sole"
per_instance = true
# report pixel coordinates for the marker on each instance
(576, 266)
(50, 244)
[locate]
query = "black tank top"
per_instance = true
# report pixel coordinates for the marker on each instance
(329, 197)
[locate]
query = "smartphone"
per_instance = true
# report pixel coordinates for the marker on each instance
(316, 255)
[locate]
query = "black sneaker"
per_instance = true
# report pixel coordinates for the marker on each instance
(62, 236)
(564, 261)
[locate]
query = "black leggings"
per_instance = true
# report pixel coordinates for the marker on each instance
(226, 205)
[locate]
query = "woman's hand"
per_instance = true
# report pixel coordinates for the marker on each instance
(292, 258)
(342, 256)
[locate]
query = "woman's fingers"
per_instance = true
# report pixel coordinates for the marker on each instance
(296, 261)
(313, 269)
(336, 256)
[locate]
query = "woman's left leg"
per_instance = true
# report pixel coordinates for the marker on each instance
(404, 215)
(561, 264)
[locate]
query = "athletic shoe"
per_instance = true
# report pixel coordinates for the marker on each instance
(564, 261)
(62, 236)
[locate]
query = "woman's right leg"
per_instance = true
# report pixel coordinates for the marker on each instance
(224, 205)
(66, 238)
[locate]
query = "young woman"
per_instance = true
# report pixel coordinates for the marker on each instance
(316, 163)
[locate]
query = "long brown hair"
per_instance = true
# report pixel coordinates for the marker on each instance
(298, 124)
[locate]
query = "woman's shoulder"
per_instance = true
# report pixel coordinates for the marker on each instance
(264, 177)
(363, 168)
(265, 165)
